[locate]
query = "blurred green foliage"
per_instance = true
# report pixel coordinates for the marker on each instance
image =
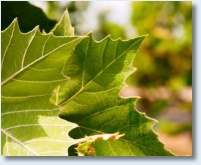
(166, 55)
(174, 128)
(165, 58)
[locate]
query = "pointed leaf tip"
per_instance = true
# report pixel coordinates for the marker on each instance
(63, 27)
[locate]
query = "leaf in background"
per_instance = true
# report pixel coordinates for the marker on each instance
(64, 28)
(90, 98)
(31, 67)
(28, 15)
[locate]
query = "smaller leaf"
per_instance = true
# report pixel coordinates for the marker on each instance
(63, 27)
(86, 149)
(86, 146)
(90, 98)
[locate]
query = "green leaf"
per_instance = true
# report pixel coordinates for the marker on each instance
(86, 149)
(32, 66)
(90, 98)
(28, 15)
(63, 27)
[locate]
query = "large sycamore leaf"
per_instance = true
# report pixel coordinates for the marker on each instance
(31, 67)
(90, 98)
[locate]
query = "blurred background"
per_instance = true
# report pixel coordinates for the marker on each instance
(164, 76)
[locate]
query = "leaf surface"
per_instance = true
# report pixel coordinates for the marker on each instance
(90, 98)
(32, 66)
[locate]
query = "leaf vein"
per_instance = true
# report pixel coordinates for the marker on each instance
(36, 125)
(4, 55)
(22, 97)
(19, 142)
(38, 82)
(111, 147)
(99, 112)
(27, 111)
(25, 52)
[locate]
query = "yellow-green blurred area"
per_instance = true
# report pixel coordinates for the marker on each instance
(163, 79)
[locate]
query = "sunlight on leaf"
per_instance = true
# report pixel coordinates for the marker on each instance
(32, 66)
